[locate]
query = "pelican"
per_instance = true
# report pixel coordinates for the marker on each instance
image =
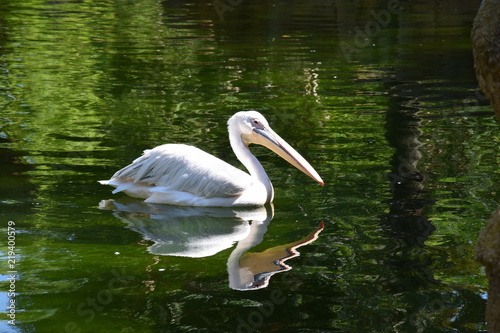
(179, 174)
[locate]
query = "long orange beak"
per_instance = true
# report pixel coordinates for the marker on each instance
(268, 138)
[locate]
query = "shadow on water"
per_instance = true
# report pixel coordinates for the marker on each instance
(405, 220)
(16, 185)
(198, 232)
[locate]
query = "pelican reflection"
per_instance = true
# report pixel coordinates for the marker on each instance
(198, 232)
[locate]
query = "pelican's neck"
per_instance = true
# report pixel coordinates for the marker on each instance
(251, 163)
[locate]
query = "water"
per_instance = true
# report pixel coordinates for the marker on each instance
(380, 97)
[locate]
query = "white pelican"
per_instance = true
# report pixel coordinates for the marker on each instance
(179, 174)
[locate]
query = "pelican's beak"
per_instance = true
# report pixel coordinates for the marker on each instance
(268, 138)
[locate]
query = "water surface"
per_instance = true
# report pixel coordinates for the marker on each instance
(380, 97)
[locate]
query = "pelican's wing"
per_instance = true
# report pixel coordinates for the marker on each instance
(182, 168)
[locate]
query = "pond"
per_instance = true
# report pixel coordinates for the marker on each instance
(379, 96)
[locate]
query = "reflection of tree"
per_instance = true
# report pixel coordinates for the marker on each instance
(405, 221)
(405, 218)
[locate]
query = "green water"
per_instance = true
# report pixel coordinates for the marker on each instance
(380, 97)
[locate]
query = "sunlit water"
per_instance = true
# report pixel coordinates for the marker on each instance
(381, 100)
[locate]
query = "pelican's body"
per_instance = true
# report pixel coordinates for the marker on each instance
(184, 175)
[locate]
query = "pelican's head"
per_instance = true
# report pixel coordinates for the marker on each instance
(252, 127)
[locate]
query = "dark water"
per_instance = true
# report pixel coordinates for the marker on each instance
(380, 97)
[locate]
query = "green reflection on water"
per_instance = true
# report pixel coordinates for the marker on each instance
(86, 86)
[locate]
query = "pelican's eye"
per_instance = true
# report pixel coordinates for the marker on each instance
(256, 123)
